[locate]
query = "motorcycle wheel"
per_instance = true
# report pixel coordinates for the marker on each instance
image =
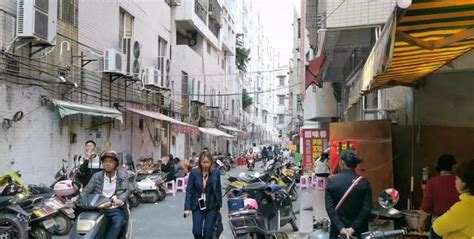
(162, 194)
(293, 194)
(63, 224)
(18, 229)
(152, 196)
(38, 232)
(279, 235)
(133, 201)
(222, 171)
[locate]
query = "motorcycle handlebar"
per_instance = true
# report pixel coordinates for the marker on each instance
(394, 233)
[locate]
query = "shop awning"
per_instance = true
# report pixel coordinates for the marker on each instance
(230, 128)
(314, 67)
(420, 41)
(215, 132)
(66, 108)
(177, 126)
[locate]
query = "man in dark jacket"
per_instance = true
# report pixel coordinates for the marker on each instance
(169, 168)
(352, 217)
(109, 183)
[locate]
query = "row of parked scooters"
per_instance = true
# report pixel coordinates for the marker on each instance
(261, 203)
(31, 211)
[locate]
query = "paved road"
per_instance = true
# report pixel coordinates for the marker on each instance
(165, 219)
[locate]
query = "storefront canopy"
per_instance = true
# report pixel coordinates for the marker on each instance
(313, 70)
(421, 40)
(66, 108)
(215, 132)
(178, 126)
(230, 128)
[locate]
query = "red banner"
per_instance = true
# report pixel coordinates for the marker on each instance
(337, 146)
(314, 141)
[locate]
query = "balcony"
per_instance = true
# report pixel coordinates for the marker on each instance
(192, 15)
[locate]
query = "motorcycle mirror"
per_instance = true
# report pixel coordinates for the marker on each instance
(388, 198)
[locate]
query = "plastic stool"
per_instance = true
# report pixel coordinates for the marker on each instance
(305, 182)
(181, 184)
(319, 183)
(171, 187)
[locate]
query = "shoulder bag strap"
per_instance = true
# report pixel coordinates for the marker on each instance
(348, 192)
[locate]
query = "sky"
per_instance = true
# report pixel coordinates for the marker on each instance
(277, 17)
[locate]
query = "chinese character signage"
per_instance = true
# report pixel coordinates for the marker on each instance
(314, 141)
(337, 146)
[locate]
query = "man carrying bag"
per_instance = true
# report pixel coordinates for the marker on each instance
(348, 199)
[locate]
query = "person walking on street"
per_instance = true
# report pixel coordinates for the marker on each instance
(439, 194)
(347, 209)
(322, 166)
(179, 169)
(168, 167)
(458, 221)
(203, 197)
(91, 164)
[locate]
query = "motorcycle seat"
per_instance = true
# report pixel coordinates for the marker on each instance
(5, 200)
(247, 212)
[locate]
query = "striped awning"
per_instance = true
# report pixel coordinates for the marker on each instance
(424, 38)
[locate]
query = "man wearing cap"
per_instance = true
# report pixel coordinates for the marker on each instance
(107, 183)
(352, 216)
(440, 192)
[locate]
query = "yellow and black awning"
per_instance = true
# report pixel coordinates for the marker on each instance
(421, 40)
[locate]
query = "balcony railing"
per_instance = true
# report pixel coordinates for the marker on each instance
(200, 11)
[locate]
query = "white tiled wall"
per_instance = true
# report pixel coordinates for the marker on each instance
(347, 13)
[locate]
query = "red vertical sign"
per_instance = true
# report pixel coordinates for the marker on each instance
(314, 141)
(337, 146)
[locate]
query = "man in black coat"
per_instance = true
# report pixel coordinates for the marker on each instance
(352, 218)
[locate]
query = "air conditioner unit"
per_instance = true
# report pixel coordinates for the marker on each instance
(131, 50)
(164, 65)
(113, 61)
(174, 2)
(37, 19)
(151, 77)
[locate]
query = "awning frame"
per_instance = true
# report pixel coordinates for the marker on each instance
(66, 108)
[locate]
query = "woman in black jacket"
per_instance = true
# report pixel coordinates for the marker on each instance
(352, 217)
(203, 197)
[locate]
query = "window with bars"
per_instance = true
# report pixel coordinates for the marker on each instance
(125, 25)
(67, 12)
(281, 99)
(281, 119)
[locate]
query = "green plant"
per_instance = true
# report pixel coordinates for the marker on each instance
(242, 58)
(247, 101)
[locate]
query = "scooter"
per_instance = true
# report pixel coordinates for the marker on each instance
(275, 210)
(92, 223)
(221, 166)
(13, 219)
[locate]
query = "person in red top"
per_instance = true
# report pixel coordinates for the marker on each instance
(440, 192)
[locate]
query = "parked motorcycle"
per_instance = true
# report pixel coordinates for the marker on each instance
(13, 219)
(273, 211)
(91, 223)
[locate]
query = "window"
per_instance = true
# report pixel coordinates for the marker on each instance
(192, 86)
(281, 80)
(281, 120)
(232, 109)
(125, 26)
(67, 12)
(281, 99)
(199, 90)
(256, 112)
(162, 46)
(209, 48)
(275, 120)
